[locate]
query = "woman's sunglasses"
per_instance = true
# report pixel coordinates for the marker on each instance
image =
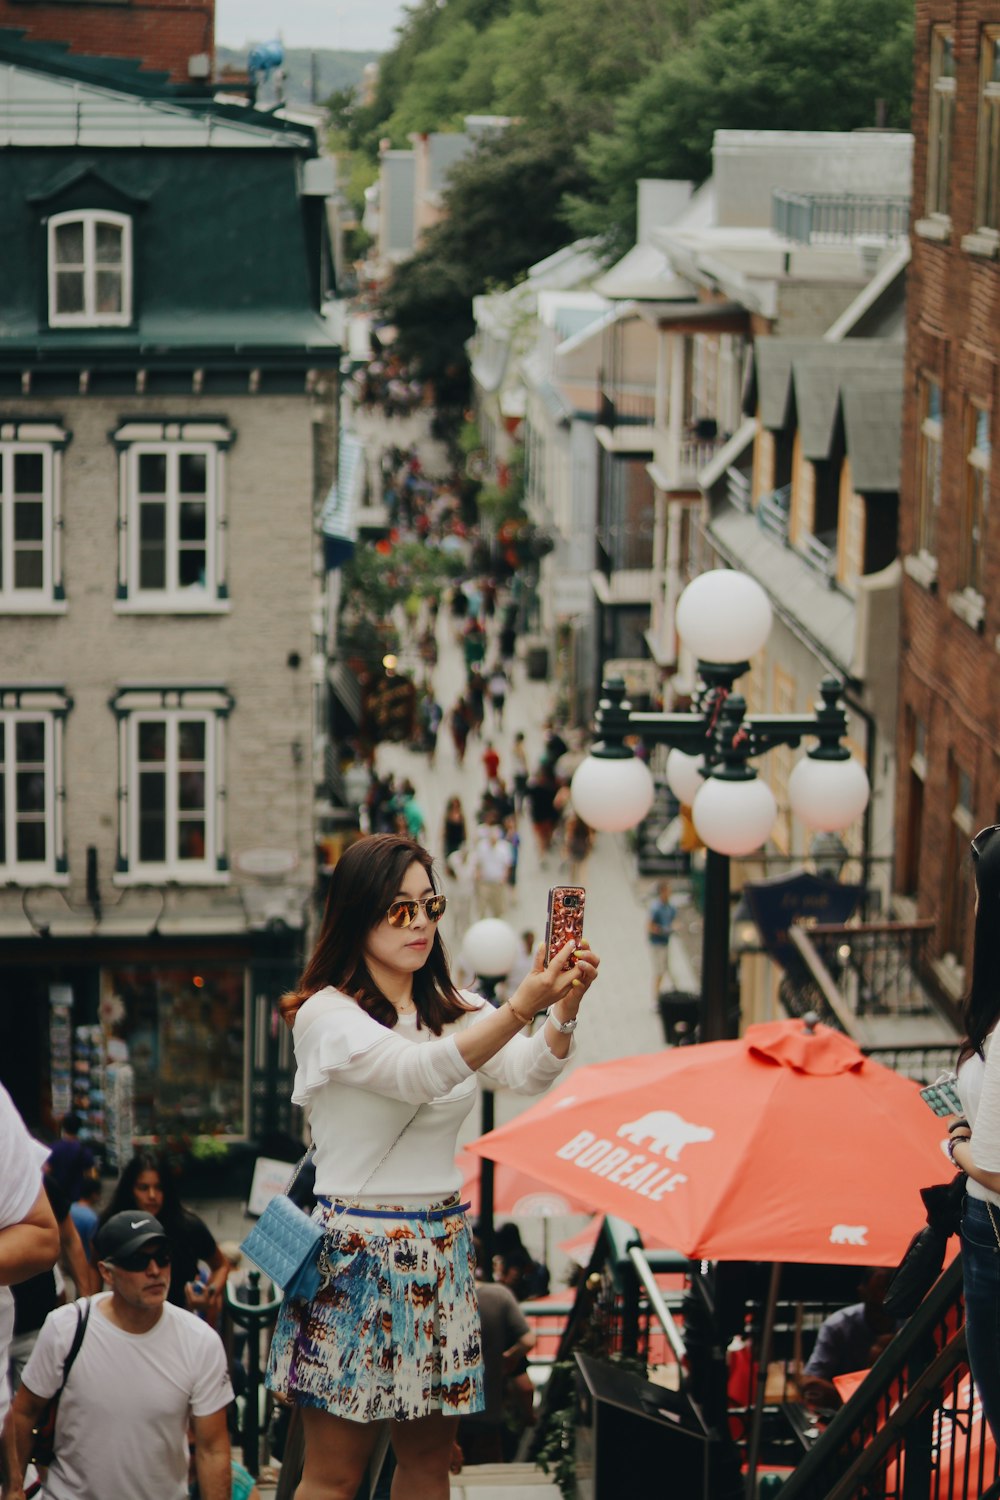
(141, 1260)
(404, 913)
(982, 838)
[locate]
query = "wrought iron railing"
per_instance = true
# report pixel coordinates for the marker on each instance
(914, 1429)
(773, 511)
(835, 218)
(622, 407)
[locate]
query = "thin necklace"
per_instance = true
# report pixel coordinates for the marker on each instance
(406, 1010)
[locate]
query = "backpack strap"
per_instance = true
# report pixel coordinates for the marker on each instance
(74, 1348)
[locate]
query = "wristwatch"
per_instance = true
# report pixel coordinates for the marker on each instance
(564, 1026)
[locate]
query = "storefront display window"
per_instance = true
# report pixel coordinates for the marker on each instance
(184, 1030)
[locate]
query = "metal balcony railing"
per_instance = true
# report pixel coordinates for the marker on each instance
(838, 218)
(739, 490)
(773, 512)
(866, 980)
(622, 407)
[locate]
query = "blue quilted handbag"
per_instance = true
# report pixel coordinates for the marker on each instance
(285, 1243)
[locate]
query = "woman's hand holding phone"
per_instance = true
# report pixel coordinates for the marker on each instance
(563, 981)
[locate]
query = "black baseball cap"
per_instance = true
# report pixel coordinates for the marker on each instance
(125, 1233)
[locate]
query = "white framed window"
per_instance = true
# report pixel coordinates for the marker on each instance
(172, 517)
(31, 517)
(988, 147)
(940, 120)
(90, 269)
(172, 785)
(978, 458)
(929, 465)
(32, 792)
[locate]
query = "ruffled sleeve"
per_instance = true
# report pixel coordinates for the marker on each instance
(335, 1039)
(525, 1064)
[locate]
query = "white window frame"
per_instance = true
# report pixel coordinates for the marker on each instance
(209, 707)
(929, 464)
(941, 121)
(173, 440)
(48, 707)
(91, 317)
(47, 439)
(976, 501)
(988, 142)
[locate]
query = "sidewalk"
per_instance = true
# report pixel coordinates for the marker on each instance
(619, 1018)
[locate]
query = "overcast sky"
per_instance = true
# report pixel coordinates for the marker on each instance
(349, 25)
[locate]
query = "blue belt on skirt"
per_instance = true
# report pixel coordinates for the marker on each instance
(424, 1214)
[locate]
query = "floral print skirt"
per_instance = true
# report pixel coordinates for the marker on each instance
(394, 1330)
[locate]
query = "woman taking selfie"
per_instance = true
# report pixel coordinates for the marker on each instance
(386, 1052)
(974, 1144)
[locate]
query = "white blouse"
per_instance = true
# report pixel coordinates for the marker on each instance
(362, 1082)
(979, 1091)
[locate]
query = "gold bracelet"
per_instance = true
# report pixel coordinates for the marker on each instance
(524, 1020)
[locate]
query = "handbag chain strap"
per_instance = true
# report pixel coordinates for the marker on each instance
(989, 1210)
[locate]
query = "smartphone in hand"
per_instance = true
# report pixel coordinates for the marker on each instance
(942, 1096)
(565, 919)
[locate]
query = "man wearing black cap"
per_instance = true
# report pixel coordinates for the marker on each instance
(143, 1369)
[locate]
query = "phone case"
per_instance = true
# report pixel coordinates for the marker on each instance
(564, 921)
(942, 1097)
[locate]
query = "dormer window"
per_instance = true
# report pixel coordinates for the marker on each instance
(90, 270)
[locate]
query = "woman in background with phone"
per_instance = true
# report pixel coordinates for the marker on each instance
(386, 1053)
(974, 1143)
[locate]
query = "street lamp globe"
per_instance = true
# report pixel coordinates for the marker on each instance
(723, 616)
(828, 793)
(612, 793)
(734, 815)
(490, 948)
(684, 775)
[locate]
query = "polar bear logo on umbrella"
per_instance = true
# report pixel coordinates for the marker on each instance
(665, 1133)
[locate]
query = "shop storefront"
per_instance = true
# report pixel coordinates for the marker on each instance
(164, 1041)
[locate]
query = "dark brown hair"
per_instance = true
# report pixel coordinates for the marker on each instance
(982, 1004)
(365, 880)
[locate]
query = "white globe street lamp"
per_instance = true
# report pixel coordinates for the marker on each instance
(724, 617)
(732, 816)
(612, 794)
(490, 948)
(827, 793)
(685, 776)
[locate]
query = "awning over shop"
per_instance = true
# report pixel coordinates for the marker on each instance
(346, 690)
(339, 517)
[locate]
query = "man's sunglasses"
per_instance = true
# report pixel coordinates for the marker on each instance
(982, 838)
(141, 1260)
(404, 913)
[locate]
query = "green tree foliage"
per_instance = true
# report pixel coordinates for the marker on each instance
(501, 216)
(751, 64)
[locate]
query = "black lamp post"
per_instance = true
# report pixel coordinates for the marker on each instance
(490, 948)
(710, 767)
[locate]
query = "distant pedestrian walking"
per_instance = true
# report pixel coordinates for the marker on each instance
(496, 688)
(659, 926)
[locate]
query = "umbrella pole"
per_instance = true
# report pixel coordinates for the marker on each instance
(766, 1340)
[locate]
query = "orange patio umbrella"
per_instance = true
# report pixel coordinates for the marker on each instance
(516, 1194)
(786, 1145)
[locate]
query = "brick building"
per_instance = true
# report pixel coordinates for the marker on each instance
(949, 731)
(176, 37)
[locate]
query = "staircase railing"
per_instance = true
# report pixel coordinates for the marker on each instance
(913, 1430)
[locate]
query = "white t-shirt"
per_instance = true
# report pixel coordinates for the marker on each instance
(21, 1160)
(121, 1432)
(979, 1091)
(362, 1082)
